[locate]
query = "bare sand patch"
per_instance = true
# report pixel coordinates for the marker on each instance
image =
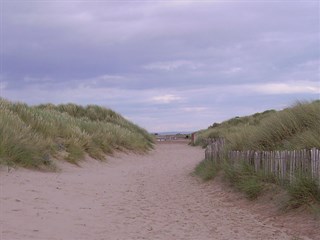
(150, 196)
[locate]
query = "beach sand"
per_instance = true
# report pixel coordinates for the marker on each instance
(151, 196)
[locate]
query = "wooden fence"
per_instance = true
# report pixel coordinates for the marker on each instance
(215, 149)
(282, 164)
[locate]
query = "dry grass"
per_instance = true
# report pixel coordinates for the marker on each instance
(30, 136)
(297, 127)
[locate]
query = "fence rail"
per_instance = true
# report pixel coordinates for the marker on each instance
(282, 164)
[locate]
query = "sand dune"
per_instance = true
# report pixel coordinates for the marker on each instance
(130, 197)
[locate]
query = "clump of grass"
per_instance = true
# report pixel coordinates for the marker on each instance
(251, 186)
(206, 170)
(303, 191)
(296, 127)
(19, 145)
(241, 176)
(30, 136)
(244, 178)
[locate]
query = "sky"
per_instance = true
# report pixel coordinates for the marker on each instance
(164, 65)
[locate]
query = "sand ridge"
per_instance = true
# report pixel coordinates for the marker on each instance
(150, 196)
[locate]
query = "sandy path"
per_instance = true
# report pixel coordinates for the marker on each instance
(132, 197)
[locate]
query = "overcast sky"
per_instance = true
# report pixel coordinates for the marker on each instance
(165, 65)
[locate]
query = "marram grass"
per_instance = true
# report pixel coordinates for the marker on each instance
(206, 170)
(32, 136)
(297, 127)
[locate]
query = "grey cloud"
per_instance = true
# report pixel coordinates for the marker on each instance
(126, 53)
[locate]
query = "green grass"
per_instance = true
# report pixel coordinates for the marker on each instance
(206, 170)
(244, 178)
(241, 176)
(19, 144)
(303, 191)
(32, 135)
(297, 127)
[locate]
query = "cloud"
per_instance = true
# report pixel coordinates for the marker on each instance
(165, 99)
(162, 126)
(234, 70)
(30, 80)
(105, 81)
(162, 60)
(285, 88)
(173, 65)
(273, 88)
(194, 109)
(3, 86)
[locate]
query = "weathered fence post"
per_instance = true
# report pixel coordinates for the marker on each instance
(282, 164)
(215, 150)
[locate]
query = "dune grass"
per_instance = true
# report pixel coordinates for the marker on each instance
(19, 144)
(303, 191)
(297, 127)
(244, 178)
(32, 135)
(206, 170)
(240, 176)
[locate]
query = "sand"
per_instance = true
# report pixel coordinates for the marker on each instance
(150, 196)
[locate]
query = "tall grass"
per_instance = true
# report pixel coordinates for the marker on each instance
(296, 127)
(31, 135)
(206, 170)
(244, 178)
(303, 191)
(19, 144)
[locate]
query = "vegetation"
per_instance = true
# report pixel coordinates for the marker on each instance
(244, 178)
(297, 127)
(303, 191)
(206, 170)
(31, 136)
